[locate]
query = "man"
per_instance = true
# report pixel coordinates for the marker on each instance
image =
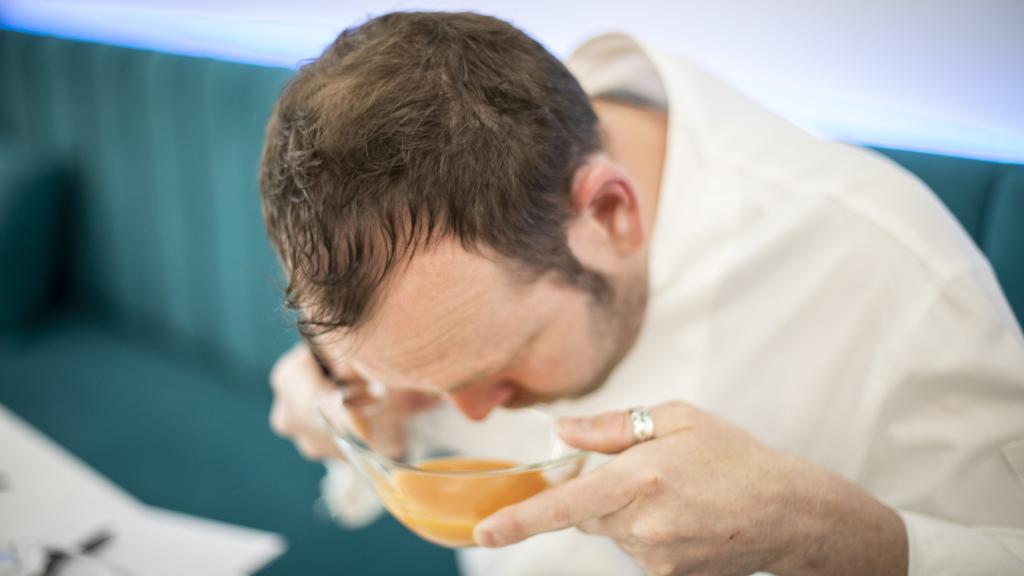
(835, 380)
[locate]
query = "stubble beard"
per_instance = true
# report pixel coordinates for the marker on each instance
(618, 324)
(615, 326)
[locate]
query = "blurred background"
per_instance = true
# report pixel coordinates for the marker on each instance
(940, 75)
(140, 302)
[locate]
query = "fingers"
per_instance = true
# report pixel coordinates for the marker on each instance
(612, 432)
(310, 439)
(317, 450)
(297, 382)
(300, 386)
(588, 498)
(609, 433)
(592, 495)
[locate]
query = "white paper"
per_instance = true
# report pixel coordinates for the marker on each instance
(160, 542)
(50, 497)
(48, 494)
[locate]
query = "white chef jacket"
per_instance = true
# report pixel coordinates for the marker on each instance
(823, 299)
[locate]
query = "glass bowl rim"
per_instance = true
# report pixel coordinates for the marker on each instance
(575, 454)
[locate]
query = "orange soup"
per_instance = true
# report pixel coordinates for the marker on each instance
(444, 509)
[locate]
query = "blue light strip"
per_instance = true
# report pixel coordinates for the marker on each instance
(275, 39)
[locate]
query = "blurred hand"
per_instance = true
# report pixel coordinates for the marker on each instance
(298, 384)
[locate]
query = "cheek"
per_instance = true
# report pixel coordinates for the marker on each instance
(560, 360)
(551, 372)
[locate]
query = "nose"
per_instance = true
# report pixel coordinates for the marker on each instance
(476, 402)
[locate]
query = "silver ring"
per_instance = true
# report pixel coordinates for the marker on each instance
(643, 424)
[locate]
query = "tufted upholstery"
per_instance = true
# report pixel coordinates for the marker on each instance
(153, 369)
(169, 239)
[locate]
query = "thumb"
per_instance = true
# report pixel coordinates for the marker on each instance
(609, 433)
(612, 432)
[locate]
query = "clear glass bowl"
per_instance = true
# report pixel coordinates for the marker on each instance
(440, 473)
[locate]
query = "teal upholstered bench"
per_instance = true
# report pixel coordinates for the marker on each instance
(988, 200)
(139, 330)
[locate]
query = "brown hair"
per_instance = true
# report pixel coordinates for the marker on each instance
(415, 127)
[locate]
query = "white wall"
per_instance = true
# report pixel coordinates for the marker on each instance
(944, 75)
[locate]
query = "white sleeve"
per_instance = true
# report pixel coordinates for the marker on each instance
(941, 548)
(947, 440)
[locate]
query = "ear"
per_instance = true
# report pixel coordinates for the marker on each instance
(607, 225)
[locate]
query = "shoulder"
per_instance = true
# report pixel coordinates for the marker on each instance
(892, 212)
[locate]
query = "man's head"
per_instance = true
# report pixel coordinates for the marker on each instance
(435, 186)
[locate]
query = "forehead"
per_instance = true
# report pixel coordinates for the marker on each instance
(447, 314)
